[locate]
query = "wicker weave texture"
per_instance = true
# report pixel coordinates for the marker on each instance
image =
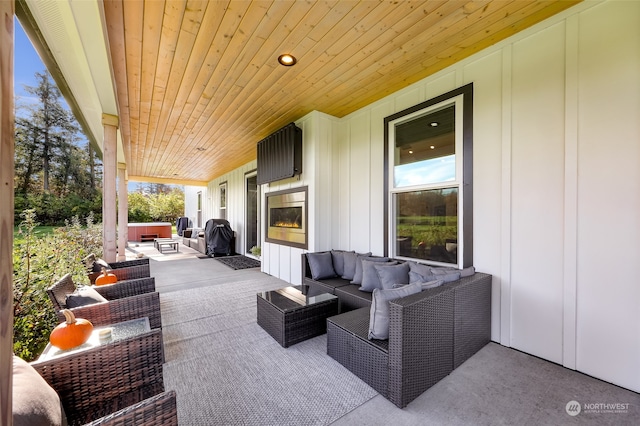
(291, 327)
(347, 344)
(420, 346)
(127, 288)
(159, 410)
(111, 312)
(430, 334)
(102, 380)
(126, 270)
(472, 317)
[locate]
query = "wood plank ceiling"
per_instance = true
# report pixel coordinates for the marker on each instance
(198, 82)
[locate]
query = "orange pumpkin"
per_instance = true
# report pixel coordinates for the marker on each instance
(106, 278)
(71, 333)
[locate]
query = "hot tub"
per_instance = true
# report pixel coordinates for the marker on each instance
(149, 231)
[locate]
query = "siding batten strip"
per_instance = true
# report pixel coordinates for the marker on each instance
(505, 255)
(569, 323)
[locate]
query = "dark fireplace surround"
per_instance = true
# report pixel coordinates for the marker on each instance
(286, 217)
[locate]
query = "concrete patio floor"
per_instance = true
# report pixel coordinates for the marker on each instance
(497, 386)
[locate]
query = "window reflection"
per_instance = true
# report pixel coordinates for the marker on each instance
(425, 149)
(427, 225)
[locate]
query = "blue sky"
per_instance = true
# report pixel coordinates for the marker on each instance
(26, 64)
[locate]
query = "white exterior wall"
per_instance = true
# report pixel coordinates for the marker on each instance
(556, 169)
(191, 202)
(236, 200)
(318, 132)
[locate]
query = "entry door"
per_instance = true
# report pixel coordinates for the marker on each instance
(252, 212)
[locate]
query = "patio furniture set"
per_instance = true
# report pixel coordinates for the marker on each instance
(114, 378)
(399, 326)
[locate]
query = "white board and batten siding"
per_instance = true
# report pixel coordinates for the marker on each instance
(236, 201)
(556, 171)
(318, 132)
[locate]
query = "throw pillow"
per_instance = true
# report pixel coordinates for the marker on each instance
(338, 261)
(420, 272)
(99, 264)
(34, 401)
(370, 279)
(357, 276)
(396, 274)
(350, 263)
(379, 313)
(84, 296)
(321, 265)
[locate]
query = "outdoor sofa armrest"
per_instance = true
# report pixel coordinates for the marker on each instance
(127, 288)
(99, 381)
(432, 332)
(127, 270)
(159, 410)
(130, 263)
(119, 310)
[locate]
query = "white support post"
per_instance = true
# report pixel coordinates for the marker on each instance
(109, 162)
(123, 207)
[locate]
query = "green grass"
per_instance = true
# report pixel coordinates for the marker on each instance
(39, 231)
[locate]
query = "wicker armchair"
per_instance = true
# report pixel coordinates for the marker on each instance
(121, 306)
(114, 384)
(125, 270)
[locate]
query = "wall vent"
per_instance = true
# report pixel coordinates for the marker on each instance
(280, 155)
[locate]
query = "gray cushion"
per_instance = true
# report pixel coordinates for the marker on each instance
(338, 261)
(425, 285)
(420, 272)
(447, 278)
(379, 313)
(357, 276)
(350, 263)
(466, 272)
(370, 279)
(84, 296)
(321, 265)
(390, 276)
(34, 401)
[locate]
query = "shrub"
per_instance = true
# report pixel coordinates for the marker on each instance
(37, 264)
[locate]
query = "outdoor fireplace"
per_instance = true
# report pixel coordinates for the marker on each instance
(287, 217)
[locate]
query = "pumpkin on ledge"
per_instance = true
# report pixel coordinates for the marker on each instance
(71, 333)
(106, 278)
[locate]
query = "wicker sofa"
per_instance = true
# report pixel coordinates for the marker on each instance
(430, 333)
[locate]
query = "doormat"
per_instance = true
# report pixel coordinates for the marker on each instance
(239, 262)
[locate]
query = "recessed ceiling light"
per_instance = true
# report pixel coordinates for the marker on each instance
(432, 147)
(434, 124)
(287, 60)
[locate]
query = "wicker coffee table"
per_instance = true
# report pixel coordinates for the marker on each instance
(291, 317)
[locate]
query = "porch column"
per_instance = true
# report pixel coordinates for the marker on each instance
(6, 210)
(123, 205)
(109, 164)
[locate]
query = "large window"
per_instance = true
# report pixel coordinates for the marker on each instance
(429, 180)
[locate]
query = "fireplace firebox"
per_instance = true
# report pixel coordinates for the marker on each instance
(287, 217)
